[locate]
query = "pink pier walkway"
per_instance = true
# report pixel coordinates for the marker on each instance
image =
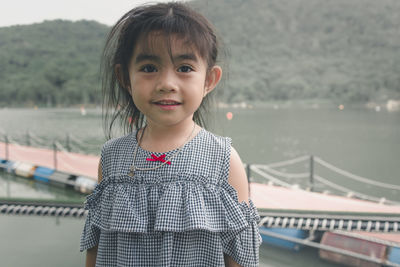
(264, 196)
(78, 164)
(276, 197)
(295, 200)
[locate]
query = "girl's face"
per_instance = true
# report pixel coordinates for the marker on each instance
(169, 86)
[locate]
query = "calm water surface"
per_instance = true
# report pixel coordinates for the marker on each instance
(361, 141)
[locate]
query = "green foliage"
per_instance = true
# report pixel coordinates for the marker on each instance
(345, 51)
(54, 63)
(342, 50)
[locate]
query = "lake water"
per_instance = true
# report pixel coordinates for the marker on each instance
(361, 141)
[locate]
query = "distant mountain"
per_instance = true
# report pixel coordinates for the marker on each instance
(342, 50)
(53, 63)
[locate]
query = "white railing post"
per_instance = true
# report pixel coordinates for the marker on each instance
(311, 173)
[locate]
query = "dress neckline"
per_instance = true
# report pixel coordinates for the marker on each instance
(134, 134)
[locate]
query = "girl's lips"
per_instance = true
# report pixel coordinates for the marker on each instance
(167, 104)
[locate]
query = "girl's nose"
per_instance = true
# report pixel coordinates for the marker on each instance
(167, 82)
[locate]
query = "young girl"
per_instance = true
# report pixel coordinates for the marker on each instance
(170, 193)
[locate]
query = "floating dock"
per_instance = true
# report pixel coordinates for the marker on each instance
(69, 162)
(56, 167)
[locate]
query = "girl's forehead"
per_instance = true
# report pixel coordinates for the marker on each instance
(161, 43)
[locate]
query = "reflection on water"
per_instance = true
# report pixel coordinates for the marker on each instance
(40, 241)
(12, 186)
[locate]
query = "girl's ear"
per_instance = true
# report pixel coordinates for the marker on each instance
(120, 77)
(213, 77)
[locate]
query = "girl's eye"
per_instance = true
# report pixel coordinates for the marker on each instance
(185, 69)
(148, 68)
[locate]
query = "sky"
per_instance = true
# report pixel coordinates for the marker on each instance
(13, 12)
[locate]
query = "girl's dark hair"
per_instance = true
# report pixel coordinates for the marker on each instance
(134, 26)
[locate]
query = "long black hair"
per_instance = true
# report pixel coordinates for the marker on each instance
(136, 25)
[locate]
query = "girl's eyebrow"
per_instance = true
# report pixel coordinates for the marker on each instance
(189, 56)
(144, 57)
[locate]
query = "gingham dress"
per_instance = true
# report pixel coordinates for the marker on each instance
(183, 214)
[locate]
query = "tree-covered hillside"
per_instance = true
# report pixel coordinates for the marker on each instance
(51, 63)
(342, 50)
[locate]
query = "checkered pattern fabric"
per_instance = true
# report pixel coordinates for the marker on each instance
(183, 214)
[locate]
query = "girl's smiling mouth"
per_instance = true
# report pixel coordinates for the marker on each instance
(167, 104)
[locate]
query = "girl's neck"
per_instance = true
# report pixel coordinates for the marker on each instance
(161, 139)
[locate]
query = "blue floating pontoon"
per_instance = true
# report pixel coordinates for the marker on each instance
(3, 163)
(42, 174)
(9, 166)
(394, 255)
(290, 232)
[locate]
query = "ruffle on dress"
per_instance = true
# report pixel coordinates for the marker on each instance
(181, 205)
(90, 235)
(243, 247)
(165, 204)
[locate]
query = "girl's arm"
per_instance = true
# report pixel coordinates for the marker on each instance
(238, 180)
(91, 253)
(229, 262)
(237, 177)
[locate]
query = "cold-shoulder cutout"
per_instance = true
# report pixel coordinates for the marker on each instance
(237, 176)
(99, 173)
